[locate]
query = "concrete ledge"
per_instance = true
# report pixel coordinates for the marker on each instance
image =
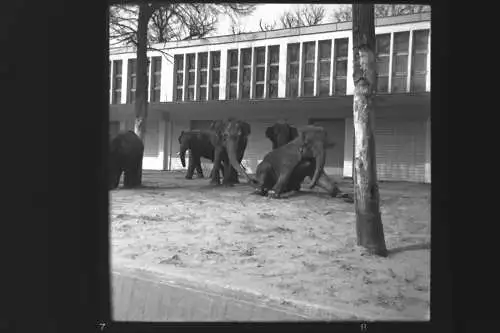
(141, 296)
(156, 296)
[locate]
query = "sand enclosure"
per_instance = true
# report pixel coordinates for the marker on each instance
(299, 249)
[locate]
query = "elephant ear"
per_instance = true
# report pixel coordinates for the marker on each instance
(270, 133)
(293, 133)
(245, 128)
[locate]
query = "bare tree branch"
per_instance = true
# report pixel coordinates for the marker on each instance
(311, 14)
(344, 13)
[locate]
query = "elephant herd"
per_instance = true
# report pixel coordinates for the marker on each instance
(295, 155)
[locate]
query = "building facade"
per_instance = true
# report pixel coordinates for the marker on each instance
(302, 76)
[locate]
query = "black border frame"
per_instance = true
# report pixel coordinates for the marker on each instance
(73, 225)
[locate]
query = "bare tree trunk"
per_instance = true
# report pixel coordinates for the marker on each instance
(141, 92)
(369, 227)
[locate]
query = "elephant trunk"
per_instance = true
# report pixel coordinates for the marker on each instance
(232, 150)
(320, 165)
(182, 156)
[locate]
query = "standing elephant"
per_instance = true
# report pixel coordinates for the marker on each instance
(125, 156)
(284, 169)
(229, 138)
(198, 142)
(280, 134)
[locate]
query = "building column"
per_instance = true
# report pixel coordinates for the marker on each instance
(184, 78)
(196, 76)
(332, 64)
(150, 76)
(168, 83)
(209, 75)
(316, 68)
(111, 83)
(348, 146)
(349, 90)
(410, 65)
(123, 99)
(301, 69)
(240, 70)
(428, 77)
(427, 178)
(391, 50)
(223, 74)
(252, 71)
(282, 71)
(266, 71)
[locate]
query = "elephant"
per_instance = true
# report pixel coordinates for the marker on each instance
(284, 169)
(125, 156)
(198, 142)
(280, 134)
(229, 138)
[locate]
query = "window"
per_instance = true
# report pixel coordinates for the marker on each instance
(203, 75)
(419, 60)
(260, 69)
(400, 61)
(117, 81)
(340, 76)
(191, 71)
(132, 80)
(233, 73)
(293, 70)
(383, 50)
(325, 54)
(215, 74)
(246, 59)
(309, 59)
(274, 65)
(156, 79)
(179, 76)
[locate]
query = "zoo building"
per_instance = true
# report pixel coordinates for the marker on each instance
(301, 76)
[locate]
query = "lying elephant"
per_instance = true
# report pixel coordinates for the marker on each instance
(125, 156)
(285, 168)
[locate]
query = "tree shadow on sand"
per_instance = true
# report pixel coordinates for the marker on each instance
(413, 247)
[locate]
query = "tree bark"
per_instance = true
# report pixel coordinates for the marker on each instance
(141, 92)
(369, 228)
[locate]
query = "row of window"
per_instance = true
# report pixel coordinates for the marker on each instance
(254, 72)
(154, 83)
(398, 76)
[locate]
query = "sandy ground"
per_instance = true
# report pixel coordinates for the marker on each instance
(302, 248)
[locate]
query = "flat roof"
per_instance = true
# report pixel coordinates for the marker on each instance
(320, 28)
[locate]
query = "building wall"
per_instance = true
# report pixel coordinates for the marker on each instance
(400, 112)
(167, 118)
(281, 38)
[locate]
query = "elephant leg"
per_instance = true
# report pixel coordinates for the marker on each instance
(191, 166)
(133, 174)
(302, 170)
(328, 185)
(233, 177)
(114, 178)
(199, 170)
(215, 180)
(281, 183)
(264, 179)
(227, 174)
